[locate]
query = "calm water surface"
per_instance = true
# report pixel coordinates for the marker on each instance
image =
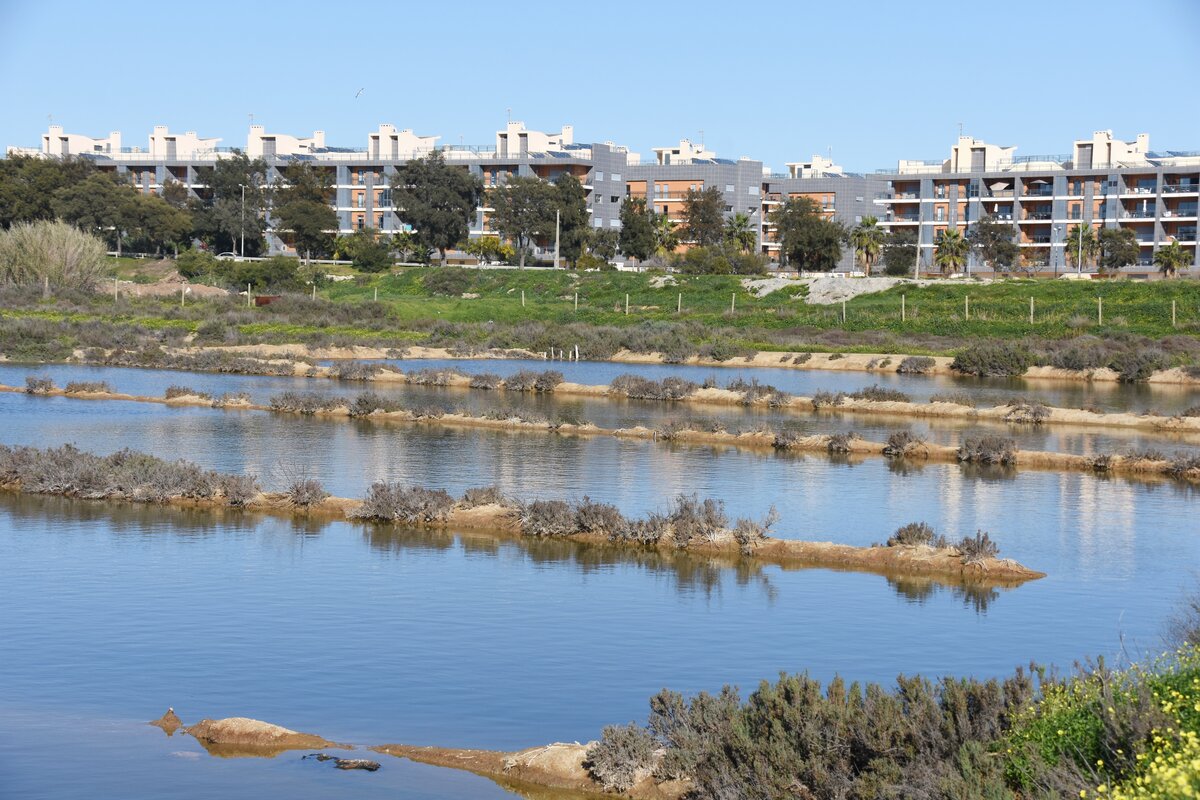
(370, 634)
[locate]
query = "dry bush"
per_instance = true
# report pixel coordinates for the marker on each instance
(916, 365)
(230, 398)
(823, 398)
(368, 403)
(692, 518)
(547, 518)
(904, 444)
(1184, 465)
(305, 402)
(750, 532)
(623, 755)
(528, 380)
(38, 384)
(430, 376)
(485, 380)
(408, 504)
(483, 496)
(879, 394)
(238, 490)
(754, 393)
(638, 388)
(957, 398)
(988, 450)
(173, 391)
(592, 517)
(305, 492)
(916, 533)
(1026, 411)
(840, 442)
(51, 252)
(86, 387)
(355, 371)
(978, 548)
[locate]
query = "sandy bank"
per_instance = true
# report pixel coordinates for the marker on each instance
(1126, 466)
(238, 737)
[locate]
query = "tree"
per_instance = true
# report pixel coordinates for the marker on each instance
(740, 232)
(636, 239)
(993, 243)
(522, 209)
(573, 222)
(406, 246)
(438, 200)
(900, 252)
(1118, 248)
(152, 223)
(603, 242)
(28, 185)
(704, 216)
(175, 193)
(666, 234)
(302, 181)
(313, 226)
(1171, 258)
(94, 204)
(223, 218)
(867, 240)
(1080, 241)
(366, 249)
(951, 251)
(806, 238)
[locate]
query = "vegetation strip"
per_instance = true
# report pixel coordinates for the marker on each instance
(989, 450)
(690, 524)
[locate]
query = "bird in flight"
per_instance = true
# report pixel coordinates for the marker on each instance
(360, 91)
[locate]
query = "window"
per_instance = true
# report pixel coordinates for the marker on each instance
(599, 176)
(858, 200)
(599, 223)
(614, 198)
(614, 223)
(752, 190)
(379, 221)
(616, 177)
(599, 198)
(729, 188)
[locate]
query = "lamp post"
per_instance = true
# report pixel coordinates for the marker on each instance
(243, 248)
(1055, 229)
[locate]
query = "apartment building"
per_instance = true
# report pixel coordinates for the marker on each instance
(1103, 183)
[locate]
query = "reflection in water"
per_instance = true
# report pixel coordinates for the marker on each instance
(692, 574)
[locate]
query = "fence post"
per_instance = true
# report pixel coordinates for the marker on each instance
(627, 304)
(732, 302)
(376, 294)
(115, 280)
(249, 299)
(679, 304)
(577, 302)
(967, 308)
(843, 312)
(314, 291)
(522, 298)
(181, 297)
(1031, 310)
(903, 310)
(1172, 313)
(1099, 310)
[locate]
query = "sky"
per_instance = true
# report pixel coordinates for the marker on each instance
(871, 82)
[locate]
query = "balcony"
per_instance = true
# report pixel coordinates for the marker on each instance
(1184, 234)
(1038, 191)
(1143, 189)
(1181, 211)
(1040, 238)
(1000, 193)
(1181, 188)
(1037, 216)
(1139, 213)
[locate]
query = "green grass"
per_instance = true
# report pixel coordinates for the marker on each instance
(1061, 308)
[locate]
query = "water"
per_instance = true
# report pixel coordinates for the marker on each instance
(607, 413)
(370, 634)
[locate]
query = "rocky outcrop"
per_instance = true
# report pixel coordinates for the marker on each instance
(168, 722)
(240, 736)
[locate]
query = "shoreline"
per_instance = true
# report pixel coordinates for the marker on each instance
(1124, 466)
(945, 564)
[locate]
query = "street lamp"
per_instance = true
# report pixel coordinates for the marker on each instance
(1063, 256)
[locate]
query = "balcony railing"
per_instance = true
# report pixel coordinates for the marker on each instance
(1185, 234)
(1038, 239)
(1038, 215)
(1180, 188)
(1140, 213)
(1041, 191)
(1139, 190)
(1182, 211)
(1000, 193)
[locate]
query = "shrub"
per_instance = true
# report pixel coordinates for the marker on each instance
(978, 548)
(591, 517)
(483, 496)
(916, 533)
(305, 492)
(623, 755)
(823, 398)
(1184, 465)
(755, 393)
(786, 439)
(51, 252)
(988, 450)
(1193, 411)
(650, 529)
(193, 264)
(305, 402)
(547, 518)
(840, 442)
(803, 358)
(1026, 411)
(748, 532)
(1145, 454)
(880, 395)
(38, 384)
(692, 518)
(368, 403)
(230, 398)
(448, 281)
(430, 376)
(904, 444)
(355, 371)
(238, 490)
(173, 391)
(529, 381)
(836, 356)
(993, 359)
(408, 504)
(86, 387)
(957, 398)
(485, 380)
(1138, 364)
(638, 388)
(916, 365)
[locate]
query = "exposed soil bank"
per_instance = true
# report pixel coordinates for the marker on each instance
(762, 440)
(237, 737)
(774, 359)
(557, 766)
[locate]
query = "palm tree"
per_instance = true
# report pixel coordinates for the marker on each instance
(867, 240)
(1076, 248)
(666, 239)
(739, 232)
(1171, 258)
(951, 252)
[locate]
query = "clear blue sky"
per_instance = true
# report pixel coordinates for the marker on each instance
(774, 81)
